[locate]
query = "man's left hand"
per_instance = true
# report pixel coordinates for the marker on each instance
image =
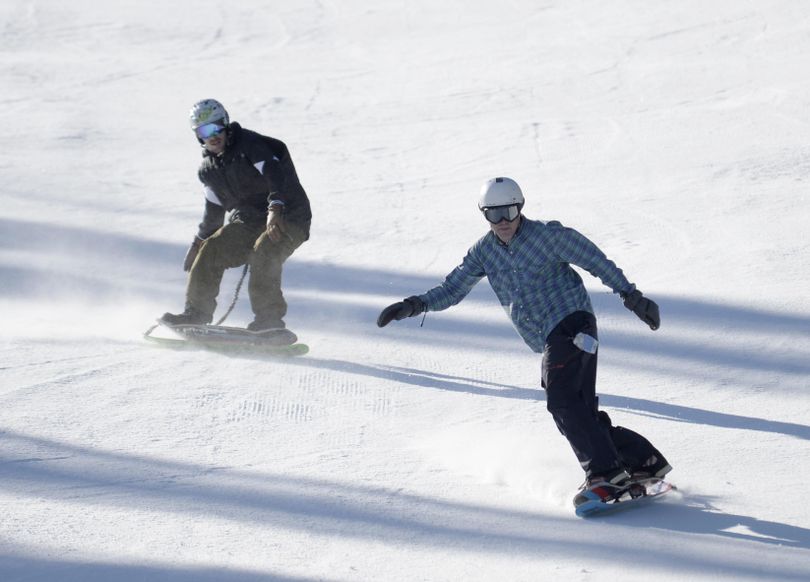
(645, 309)
(275, 224)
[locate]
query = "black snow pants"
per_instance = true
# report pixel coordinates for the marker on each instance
(569, 378)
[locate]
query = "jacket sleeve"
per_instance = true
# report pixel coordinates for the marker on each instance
(213, 216)
(457, 285)
(272, 159)
(278, 167)
(573, 247)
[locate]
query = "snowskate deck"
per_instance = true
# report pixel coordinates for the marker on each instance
(230, 339)
(653, 489)
(224, 333)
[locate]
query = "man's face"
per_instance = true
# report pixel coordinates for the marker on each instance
(213, 136)
(503, 221)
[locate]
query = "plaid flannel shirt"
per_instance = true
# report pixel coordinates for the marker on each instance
(532, 277)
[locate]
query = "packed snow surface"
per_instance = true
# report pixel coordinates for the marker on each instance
(676, 135)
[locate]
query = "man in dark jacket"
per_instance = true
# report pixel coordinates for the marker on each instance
(252, 177)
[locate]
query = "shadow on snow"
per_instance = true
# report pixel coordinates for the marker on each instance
(674, 412)
(104, 263)
(19, 566)
(56, 471)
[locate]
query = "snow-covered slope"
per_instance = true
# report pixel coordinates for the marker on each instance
(675, 135)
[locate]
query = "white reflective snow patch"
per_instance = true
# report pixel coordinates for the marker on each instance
(211, 196)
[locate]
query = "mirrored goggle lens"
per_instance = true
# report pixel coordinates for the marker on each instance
(498, 213)
(209, 130)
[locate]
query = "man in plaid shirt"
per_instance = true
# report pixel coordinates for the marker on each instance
(528, 264)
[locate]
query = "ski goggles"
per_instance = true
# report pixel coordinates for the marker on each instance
(499, 213)
(209, 130)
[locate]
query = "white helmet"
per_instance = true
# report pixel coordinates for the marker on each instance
(500, 192)
(207, 111)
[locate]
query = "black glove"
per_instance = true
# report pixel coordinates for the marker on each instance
(191, 254)
(646, 309)
(405, 308)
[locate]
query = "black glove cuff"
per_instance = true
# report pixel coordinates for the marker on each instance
(417, 305)
(631, 300)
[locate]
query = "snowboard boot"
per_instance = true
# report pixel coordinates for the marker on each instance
(605, 488)
(190, 316)
(656, 466)
(262, 325)
(272, 331)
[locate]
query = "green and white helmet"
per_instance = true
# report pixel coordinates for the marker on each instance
(208, 111)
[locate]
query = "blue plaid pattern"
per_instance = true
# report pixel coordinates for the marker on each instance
(532, 277)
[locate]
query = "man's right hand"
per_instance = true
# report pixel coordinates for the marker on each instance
(191, 254)
(406, 308)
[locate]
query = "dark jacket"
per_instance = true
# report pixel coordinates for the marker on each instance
(253, 172)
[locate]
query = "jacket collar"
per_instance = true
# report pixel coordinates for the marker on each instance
(517, 233)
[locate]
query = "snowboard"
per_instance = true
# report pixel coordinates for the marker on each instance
(281, 342)
(640, 492)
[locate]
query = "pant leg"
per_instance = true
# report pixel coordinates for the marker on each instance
(569, 378)
(229, 247)
(264, 288)
(633, 448)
